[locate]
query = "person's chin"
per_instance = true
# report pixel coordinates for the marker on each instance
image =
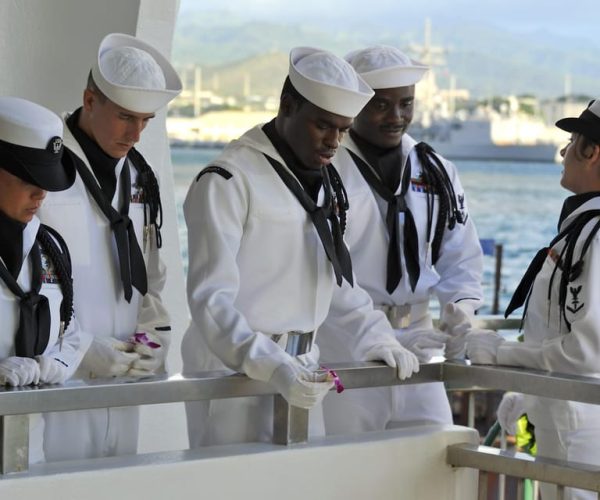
(390, 139)
(27, 216)
(324, 159)
(120, 150)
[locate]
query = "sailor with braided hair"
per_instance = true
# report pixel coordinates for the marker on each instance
(561, 319)
(268, 261)
(410, 237)
(41, 342)
(111, 219)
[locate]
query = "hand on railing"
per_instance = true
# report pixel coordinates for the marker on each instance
(510, 410)
(301, 387)
(422, 343)
(482, 346)
(456, 321)
(396, 356)
(52, 371)
(108, 357)
(18, 371)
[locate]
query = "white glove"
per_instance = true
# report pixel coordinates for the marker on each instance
(422, 343)
(395, 356)
(18, 371)
(456, 322)
(310, 360)
(510, 410)
(300, 387)
(108, 357)
(52, 371)
(153, 349)
(482, 346)
(455, 347)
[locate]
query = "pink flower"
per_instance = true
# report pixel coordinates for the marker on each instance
(142, 338)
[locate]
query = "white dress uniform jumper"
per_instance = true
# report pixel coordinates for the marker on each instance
(111, 218)
(40, 332)
(257, 268)
(562, 334)
(101, 303)
(449, 269)
(68, 346)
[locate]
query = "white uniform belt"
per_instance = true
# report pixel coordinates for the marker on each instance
(295, 343)
(404, 315)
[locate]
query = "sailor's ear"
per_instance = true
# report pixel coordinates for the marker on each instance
(88, 99)
(288, 105)
(595, 155)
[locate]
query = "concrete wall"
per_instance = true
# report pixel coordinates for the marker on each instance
(402, 464)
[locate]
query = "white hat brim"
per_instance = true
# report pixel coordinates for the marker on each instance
(394, 76)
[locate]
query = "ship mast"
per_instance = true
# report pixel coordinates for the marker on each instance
(427, 91)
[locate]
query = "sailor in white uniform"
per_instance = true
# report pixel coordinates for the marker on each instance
(41, 342)
(267, 257)
(561, 328)
(111, 219)
(410, 237)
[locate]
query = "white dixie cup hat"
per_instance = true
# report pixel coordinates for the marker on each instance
(385, 67)
(328, 82)
(134, 75)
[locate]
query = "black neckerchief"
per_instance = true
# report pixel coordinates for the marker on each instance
(11, 244)
(330, 236)
(570, 265)
(387, 162)
(310, 178)
(572, 203)
(33, 333)
(102, 164)
(396, 203)
(131, 259)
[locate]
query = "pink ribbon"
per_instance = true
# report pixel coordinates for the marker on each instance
(339, 387)
(142, 338)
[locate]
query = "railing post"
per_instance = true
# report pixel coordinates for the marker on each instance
(14, 439)
(471, 410)
(502, 477)
(290, 424)
(497, 279)
(483, 486)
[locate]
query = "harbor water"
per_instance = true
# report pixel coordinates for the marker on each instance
(515, 204)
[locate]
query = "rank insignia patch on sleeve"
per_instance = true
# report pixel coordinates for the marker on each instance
(215, 170)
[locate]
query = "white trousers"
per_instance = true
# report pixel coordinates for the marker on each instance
(105, 432)
(239, 420)
(582, 445)
(379, 408)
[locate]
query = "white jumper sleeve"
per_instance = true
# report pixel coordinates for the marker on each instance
(352, 311)
(75, 343)
(153, 314)
(460, 263)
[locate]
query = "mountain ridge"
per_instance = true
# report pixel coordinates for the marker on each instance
(486, 59)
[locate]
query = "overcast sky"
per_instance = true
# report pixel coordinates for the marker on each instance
(579, 18)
